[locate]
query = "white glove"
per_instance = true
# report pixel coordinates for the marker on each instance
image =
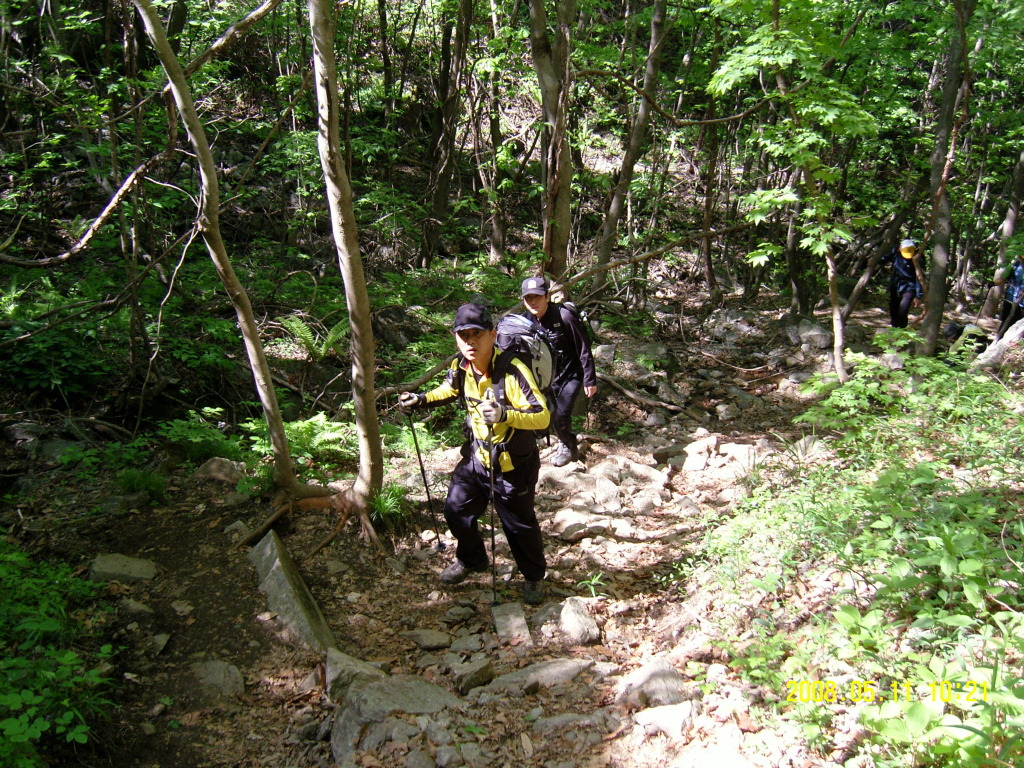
(492, 412)
(408, 401)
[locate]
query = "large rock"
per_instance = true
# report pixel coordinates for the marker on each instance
(373, 714)
(510, 625)
(221, 470)
(656, 684)
(121, 568)
(543, 674)
(343, 671)
(576, 624)
(219, 678)
(288, 595)
(674, 720)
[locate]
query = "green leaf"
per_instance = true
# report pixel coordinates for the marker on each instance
(917, 717)
(970, 566)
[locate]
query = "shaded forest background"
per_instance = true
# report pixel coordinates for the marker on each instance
(728, 149)
(746, 145)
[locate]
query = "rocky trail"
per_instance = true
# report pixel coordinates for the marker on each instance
(361, 659)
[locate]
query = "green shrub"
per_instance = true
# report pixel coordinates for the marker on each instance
(49, 691)
(919, 514)
(313, 442)
(202, 438)
(142, 480)
(390, 509)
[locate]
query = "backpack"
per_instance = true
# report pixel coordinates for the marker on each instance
(518, 337)
(581, 315)
(526, 340)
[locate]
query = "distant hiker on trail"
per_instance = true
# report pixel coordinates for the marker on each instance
(905, 289)
(1012, 311)
(504, 405)
(966, 342)
(574, 363)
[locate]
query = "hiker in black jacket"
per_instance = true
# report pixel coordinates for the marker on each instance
(574, 363)
(905, 290)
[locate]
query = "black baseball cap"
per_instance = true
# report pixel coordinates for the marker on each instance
(534, 286)
(473, 316)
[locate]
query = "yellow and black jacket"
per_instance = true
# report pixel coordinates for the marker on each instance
(526, 409)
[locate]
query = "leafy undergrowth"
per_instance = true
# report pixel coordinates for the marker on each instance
(52, 684)
(898, 520)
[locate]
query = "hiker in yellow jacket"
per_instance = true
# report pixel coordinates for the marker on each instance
(504, 406)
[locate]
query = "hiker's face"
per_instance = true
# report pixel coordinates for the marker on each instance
(476, 345)
(537, 305)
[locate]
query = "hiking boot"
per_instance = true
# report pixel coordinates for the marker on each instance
(456, 573)
(562, 455)
(533, 592)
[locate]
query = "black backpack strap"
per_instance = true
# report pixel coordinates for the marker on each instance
(501, 366)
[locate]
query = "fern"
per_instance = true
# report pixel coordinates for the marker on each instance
(336, 334)
(303, 332)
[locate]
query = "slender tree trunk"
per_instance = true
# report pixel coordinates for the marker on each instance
(343, 226)
(799, 302)
(209, 226)
(710, 185)
(954, 94)
(1006, 230)
(499, 225)
(385, 55)
(634, 144)
(453, 61)
(551, 62)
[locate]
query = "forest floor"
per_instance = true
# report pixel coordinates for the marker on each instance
(204, 604)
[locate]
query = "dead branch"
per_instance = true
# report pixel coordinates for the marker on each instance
(100, 220)
(409, 386)
(642, 399)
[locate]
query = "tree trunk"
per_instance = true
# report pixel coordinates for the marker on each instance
(634, 145)
(953, 94)
(343, 227)
(209, 226)
(710, 187)
(1006, 230)
(453, 62)
(551, 62)
(385, 55)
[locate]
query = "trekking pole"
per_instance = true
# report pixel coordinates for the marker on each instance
(494, 567)
(426, 485)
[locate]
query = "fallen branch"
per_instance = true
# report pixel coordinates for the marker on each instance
(100, 220)
(409, 386)
(643, 399)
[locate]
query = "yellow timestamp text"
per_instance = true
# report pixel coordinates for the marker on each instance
(872, 691)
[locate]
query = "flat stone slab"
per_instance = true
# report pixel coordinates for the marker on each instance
(219, 677)
(539, 676)
(427, 639)
(372, 714)
(121, 568)
(344, 671)
(510, 624)
(288, 596)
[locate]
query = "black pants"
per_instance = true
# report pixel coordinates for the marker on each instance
(899, 306)
(1010, 313)
(564, 394)
(468, 497)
